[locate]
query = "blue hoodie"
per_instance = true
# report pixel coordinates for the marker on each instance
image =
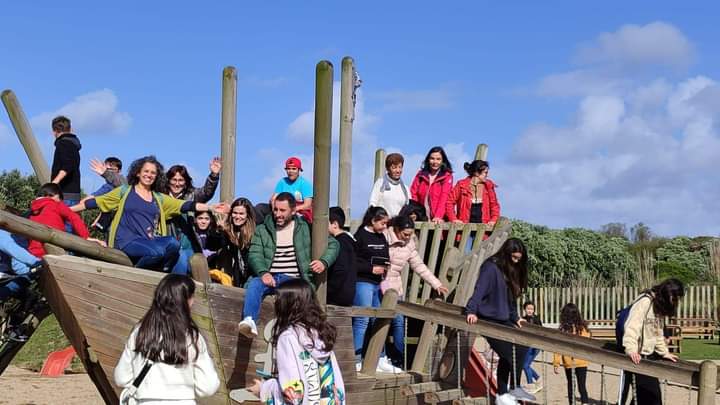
(492, 299)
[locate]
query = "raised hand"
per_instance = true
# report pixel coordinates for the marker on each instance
(215, 165)
(98, 167)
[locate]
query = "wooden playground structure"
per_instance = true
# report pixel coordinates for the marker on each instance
(97, 296)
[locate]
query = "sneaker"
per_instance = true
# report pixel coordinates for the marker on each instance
(533, 388)
(248, 328)
(358, 366)
(386, 366)
(506, 399)
(521, 395)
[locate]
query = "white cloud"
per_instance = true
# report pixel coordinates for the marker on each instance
(94, 112)
(579, 83)
(417, 100)
(657, 43)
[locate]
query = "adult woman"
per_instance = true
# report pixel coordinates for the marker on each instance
(389, 191)
(238, 230)
(473, 199)
(502, 279)
(168, 343)
(432, 184)
(180, 186)
(402, 248)
(643, 337)
(139, 226)
(372, 258)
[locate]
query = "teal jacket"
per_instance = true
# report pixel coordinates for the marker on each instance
(262, 248)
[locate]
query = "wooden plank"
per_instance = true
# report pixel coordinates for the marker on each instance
(444, 396)
(378, 335)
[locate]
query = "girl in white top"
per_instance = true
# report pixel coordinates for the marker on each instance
(389, 191)
(182, 369)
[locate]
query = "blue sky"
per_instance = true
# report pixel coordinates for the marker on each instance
(593, 113)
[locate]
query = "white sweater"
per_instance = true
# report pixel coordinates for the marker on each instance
(164, 382)
(392, 200)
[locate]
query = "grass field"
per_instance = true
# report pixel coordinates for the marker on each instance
(698, 349)
(46, 339)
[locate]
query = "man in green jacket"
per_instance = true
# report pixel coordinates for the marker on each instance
(280, 251)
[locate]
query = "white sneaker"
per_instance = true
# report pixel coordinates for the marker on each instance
(248, 328)
(506, 399)
(386, 366)
(520, 394)
(358, 367)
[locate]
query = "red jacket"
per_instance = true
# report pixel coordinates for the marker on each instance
(460, 200)
(439, 191)
(54, 214)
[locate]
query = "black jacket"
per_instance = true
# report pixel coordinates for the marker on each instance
(342, 275)
(67, 158)
(370, 247)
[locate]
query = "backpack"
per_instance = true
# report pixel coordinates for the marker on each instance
(621, 318)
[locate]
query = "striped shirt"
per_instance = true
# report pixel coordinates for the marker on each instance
(284, 260)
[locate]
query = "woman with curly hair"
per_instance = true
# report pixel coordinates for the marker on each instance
(139, 227)
(572, 322)
(238, 230)
(303, 339)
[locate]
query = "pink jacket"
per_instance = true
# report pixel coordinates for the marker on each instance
(439, 191)
(402, 253)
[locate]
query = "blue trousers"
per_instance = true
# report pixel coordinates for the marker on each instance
(18, 262)
(256, 290)
(69, 203)
(158, 254)
(530, 374)
(366, 295)
(183, 264)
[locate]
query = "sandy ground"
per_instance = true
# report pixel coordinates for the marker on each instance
(22, 387)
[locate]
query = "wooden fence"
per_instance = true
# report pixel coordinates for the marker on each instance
(602, 303)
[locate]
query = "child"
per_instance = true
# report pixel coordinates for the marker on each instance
(66, 160)
(48, 209)
(168, 341)
(342, 275)
(14, 260)
(571, 322)
(502, 280)
(111, 171)
(372, 260)
(532, 376)
(208, 237)
(307, 370)
(296, 185)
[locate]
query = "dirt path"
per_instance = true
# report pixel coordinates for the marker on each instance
(23, 387)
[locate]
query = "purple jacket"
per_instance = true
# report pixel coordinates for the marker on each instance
(492, 299)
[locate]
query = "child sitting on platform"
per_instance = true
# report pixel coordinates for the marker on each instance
(303, 339)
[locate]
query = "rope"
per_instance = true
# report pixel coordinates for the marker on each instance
(634, 388)
(690, 395)
(486, 377)
(405, 344)
(572, 381)
(665, 393)
(457, 339)
(545, 380)
(602, 384)
(512, 372)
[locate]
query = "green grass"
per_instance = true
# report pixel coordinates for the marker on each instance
(46, 339)
(699, 349)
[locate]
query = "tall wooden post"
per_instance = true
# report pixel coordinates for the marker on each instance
(379, 163)
(26, 136)
(708, 383)
(481, 152)
(228, 131)
(321, 167)
(347, 116)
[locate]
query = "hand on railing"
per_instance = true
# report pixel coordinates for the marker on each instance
(671, 357)
(442, 290)
(635, 357)
(472, 319)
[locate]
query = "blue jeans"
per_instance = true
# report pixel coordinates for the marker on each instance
(256, 290)
(69, 203)
(183, 264)
(366, 295)
(16, 260)
(397, 329)
(153, 254)
(530, 374)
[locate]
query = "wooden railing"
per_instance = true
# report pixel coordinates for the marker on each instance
(700, 301)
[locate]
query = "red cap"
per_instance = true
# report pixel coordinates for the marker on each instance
(293, 162)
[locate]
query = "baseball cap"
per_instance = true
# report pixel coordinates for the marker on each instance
(293, 162)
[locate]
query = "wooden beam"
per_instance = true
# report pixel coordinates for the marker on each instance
(380, 313)
(228, 134)
(681, 372)
(347, 116)
(199, 268)
(444, 396)
(33, 230)
(321, 168)
(411, 390)
(25, 134)
(378, 335)
(708, 383)
(379, 163)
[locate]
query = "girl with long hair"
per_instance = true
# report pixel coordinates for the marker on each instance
(238, 230)
(168, 345)
(139, 227)
(502, 280)
(403, 251)
(303, 339)
(372, 258)
(572, 322)
(643, 337)
(473, 199)
(432, 184)
(180, 185)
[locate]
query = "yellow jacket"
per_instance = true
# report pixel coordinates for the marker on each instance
(568, 361)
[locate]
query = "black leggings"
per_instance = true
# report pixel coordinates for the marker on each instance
(580, 377)
(505, 352)
(648, 389)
